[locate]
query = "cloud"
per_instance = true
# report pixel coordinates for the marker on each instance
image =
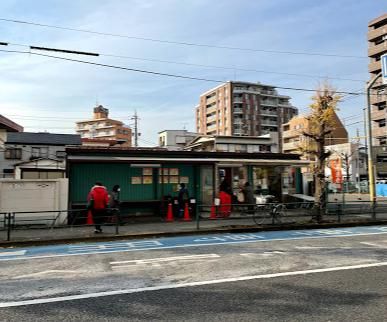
(70, 90)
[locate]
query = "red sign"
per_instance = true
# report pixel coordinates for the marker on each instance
(336, 170)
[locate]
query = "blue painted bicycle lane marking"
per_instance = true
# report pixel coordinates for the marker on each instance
(175, 242)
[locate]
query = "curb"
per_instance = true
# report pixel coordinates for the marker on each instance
(149, 235)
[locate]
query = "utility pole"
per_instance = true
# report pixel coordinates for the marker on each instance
(371, 170)
(136, 134)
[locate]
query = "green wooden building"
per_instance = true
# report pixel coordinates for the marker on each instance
(147, 176)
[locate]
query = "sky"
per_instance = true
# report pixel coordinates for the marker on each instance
(46, 94)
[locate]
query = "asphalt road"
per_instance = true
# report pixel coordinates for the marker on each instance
(341, 278)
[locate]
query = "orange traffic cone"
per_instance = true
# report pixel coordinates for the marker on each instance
(169, 213)
(186, 213)
(89, 220)
(213, 212)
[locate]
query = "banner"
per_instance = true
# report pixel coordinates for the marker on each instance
(336, 170)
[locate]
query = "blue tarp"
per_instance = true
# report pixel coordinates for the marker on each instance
(381, 190)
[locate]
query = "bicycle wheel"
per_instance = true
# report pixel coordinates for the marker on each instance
(262, 217)
(278, 214)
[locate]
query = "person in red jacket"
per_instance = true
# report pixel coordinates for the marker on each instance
(98, 199)
(225, 200)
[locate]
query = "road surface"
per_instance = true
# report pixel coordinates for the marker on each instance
(311, 275)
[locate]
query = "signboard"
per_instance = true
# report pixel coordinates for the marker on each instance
(383, 61)
(337, 175)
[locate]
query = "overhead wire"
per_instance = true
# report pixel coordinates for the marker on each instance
(189, 64)
(162, 74)
(183, 43)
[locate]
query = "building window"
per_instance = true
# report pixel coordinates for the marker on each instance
(28, 174)
(39, 152)
(382, 123)
(13, 154)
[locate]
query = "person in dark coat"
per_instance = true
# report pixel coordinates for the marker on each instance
(115, 197)
(182, 198)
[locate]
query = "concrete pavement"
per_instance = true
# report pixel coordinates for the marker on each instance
(320, 276)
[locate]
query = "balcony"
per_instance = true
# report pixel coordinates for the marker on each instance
(81, 129)
(284, 104)
(267, 112)
(238, 111)
(269, 123)
(374, 66)
(375, 33)
(378, 115)
(378, 50)
(211, 109)
(238, 122)
(291, 146)
(211, 100)
(211, 118)
(237, 100)
(377, 99)
(105, 126)
(291, 133)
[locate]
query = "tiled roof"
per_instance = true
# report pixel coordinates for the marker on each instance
(43, 138)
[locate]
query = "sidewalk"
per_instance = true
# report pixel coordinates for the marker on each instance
(159, 228)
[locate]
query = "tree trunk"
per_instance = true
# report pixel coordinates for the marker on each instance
(320, 183)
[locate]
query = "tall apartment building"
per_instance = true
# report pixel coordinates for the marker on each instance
(102, 128)
(377, 46)
(243, 109)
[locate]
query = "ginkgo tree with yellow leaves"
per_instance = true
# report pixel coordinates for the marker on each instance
(321, 123)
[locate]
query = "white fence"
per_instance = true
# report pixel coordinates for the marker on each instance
(35, 196)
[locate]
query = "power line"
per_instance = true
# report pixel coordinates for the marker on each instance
(188, 64)
(165, 74)
(179, 42)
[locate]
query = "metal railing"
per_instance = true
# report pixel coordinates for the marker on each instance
(69, 224)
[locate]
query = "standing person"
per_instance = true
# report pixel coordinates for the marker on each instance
(115, 203)
(182, 198)
(115, 197)
(98, 202)
(225, 200)
(249, 197)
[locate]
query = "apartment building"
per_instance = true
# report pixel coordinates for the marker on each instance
(243, 109)
(103, 128)
(293, 138)
(377, 46)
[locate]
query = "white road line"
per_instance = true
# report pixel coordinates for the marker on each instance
(323, 247)
(166, 259)
(173, 286)
(188, 245)
(54, 271)
(373, 245)
(15, 253)
(264, 254)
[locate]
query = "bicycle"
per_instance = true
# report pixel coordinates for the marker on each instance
(269, 214)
